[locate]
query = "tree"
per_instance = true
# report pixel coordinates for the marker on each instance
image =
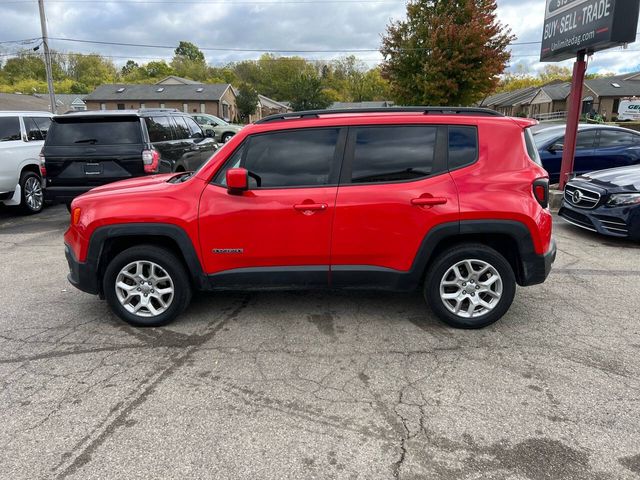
(129, 68)
(189, 51)
(308, 93)
(247, 101)
(158, 69)
(91, 70)
(447, 52)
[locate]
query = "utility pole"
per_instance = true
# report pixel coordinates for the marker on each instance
(47, 56)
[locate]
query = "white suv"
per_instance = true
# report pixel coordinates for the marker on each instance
(22, 135)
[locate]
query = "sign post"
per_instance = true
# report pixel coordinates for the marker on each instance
(573, 119)
(574, 29)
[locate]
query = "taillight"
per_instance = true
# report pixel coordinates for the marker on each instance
(43, 168)
(541, 191)
(151, 161)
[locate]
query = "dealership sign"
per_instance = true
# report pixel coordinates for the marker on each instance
(571, 26)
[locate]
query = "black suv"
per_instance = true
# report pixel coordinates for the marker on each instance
(87, 149)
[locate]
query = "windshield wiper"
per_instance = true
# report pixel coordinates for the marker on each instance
(92, 141)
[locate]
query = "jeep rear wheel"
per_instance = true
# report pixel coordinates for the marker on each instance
(146, 286)
(470, 286)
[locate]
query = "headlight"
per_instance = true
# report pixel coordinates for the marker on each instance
(624, 199)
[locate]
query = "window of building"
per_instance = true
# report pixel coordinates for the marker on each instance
(391, 154)
(203, 108)
(121, 106)
(103, 106)
(185, 107)
(142, 105)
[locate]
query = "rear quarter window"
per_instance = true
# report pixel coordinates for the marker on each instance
(102, 131)
(463, 146)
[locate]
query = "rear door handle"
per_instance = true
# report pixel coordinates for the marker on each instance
(428, 201)
(311, 207)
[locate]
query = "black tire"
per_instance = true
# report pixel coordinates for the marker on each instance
(35, 203)
(449, 258)
(226, 137)
(165, 260)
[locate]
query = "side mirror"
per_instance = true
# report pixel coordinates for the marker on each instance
(554, 147)
(237, 180)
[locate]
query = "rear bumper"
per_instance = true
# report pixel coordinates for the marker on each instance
(82, 275)
(63, 194)
(536, 268)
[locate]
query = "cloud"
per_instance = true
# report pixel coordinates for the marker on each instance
(260, 24)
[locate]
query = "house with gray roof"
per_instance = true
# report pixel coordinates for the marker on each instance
(602, 95)
(171, 92)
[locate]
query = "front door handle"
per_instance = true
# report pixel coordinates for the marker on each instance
(428, 201)
(303, 207)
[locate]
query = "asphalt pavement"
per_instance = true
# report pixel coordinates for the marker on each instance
(320, 385)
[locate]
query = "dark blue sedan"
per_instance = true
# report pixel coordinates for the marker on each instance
(606, 202)
(597, 147)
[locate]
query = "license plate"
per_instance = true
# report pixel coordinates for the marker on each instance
(92, 169)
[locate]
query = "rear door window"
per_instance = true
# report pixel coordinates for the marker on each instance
(617, 138)
(100, 131)
(9, 129)
(159, 129)
(33, 131)
(393, 153)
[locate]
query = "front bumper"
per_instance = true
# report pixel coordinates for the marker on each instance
(82, 275)
(536, 268)
(623, 222)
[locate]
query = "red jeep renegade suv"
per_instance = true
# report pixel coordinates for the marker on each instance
(452, 201)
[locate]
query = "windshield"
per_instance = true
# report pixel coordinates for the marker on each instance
(224, 148)
(219, 121)
(542, 137)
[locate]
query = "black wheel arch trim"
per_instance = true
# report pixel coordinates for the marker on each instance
(175, 233)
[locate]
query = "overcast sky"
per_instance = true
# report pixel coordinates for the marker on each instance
(328, 25)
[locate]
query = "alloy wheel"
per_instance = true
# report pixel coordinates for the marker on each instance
(144, 288)
(471, 288)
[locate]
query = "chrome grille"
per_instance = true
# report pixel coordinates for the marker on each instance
(581, 197)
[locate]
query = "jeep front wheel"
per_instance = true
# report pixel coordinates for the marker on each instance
(470, 286)
(146, 286)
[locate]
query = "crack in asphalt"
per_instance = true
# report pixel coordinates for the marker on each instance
(83, 451)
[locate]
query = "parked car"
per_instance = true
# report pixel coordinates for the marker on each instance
(222, 131)
(86, 149)
(22, 135)
(598, 147)
(399, 199)
(606, 202)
